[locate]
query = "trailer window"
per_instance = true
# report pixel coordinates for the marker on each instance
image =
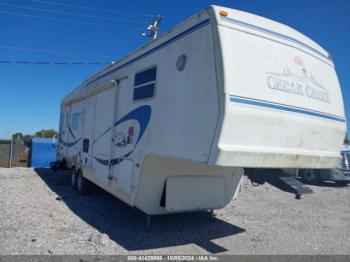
(67, 120)
(85, 145)
(75, 121)
(144, 84)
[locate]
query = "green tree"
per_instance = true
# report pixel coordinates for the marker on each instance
(17, 137)
(346, 140)
(48, 133)
(27, 138)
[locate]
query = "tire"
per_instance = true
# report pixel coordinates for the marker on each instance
(74, 180)
(53, 166)
(62, 165)
(83, 185)
(310, 176)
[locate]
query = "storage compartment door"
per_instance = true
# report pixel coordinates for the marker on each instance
(187, 193)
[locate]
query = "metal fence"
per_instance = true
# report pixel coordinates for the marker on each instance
(13, 154)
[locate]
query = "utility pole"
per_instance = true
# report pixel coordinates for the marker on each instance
(11, 150)
(152, 29)
(9, 135)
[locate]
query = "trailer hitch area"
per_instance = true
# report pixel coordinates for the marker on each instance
(256, 176)
(279, 179)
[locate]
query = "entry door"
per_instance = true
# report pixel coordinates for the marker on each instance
(123, 138)
(88, 133)
(101, 148)
(64, 131)
(75, 130)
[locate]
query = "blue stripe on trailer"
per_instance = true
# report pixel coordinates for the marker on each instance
(71, 132)
(142, 115)
(285, 108)
(270, 32)
(70, 144)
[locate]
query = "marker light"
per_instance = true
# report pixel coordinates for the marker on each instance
(223, 13)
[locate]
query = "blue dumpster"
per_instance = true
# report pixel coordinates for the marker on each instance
(43, 151)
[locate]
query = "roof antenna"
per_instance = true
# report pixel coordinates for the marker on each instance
(153, 27)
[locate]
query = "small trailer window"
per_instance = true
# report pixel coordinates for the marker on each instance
(85, 145)
(67, 120)
(75, 121)
(144, 84)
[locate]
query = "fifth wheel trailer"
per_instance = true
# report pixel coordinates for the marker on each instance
(171, 126)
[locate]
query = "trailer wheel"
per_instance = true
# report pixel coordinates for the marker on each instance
(62, 164)
(53, 166)
(310, 176)
(74, 180)
(83, 185)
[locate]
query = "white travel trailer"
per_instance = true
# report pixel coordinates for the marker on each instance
(171, 126)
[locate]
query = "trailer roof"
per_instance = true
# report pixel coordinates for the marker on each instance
(148, 46)
(248, 21)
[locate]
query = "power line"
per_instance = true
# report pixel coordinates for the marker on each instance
(72, 14)
(69, 20)
(52, 51)
(52, 62)
(90, 8)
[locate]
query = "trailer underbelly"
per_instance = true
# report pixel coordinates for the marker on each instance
(172, 186)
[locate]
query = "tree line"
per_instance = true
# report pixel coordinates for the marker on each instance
(47, 133)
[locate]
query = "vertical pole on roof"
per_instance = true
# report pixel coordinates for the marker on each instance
(153, 27)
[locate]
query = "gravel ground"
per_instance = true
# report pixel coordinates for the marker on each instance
(40, 214)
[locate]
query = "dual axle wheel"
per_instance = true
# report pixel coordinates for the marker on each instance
(83, 186)
(79, 183)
